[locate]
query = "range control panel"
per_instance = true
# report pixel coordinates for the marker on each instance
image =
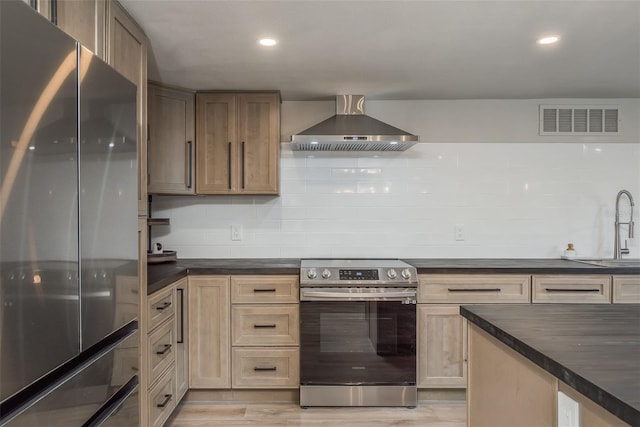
(322, 272)
(359, 274)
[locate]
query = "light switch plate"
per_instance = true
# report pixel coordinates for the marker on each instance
(236, 232)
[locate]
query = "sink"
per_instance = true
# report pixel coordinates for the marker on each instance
(629, 262)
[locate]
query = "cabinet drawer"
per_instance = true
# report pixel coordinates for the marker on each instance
(161, 306)
(266, 368)
(255, 325)
(626, 289)
(572, 289)
(464, 289)
(162, 350)
(162, 399)
(264, 289)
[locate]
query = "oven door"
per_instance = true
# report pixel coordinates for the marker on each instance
(356, 336)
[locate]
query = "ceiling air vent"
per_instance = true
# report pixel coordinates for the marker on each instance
(579, 119)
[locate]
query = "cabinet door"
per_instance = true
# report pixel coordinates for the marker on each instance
(442, 346)
(171, 130)
(182, 339)
(259, 138)
(216, 143)
(84, 21)
(209, 347)
(127, 53)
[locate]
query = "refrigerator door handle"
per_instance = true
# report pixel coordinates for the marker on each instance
(113, 404)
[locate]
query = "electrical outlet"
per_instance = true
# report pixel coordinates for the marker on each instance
(459, 232)
(236, 232)
(568, 411)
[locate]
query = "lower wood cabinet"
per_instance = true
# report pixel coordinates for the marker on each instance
(507, 389)
(248, 341)
(166, 360)
(182, 338)
(442, 346)
(442, 332)
(209, 346)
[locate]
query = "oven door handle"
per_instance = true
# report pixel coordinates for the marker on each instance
(306, 295)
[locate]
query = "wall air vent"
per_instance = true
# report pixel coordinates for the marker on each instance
(594, 120)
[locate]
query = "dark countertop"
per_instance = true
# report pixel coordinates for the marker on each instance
(594, 348)
(513, 266)
(162, 274)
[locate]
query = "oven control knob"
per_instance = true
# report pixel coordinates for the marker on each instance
(326, 273)
(312, 273)
(391, 273)
(406, 274)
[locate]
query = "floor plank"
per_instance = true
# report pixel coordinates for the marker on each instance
(440, 414)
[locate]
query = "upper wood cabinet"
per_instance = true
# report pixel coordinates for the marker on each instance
(127, 53)
(171, 167)
(84, 21)
(237, 142)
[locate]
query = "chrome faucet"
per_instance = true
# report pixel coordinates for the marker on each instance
(617, 251)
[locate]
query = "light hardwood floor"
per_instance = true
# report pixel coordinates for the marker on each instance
(431, 413)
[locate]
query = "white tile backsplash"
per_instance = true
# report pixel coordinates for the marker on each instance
(515, 200)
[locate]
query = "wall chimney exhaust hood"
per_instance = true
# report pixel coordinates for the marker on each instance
(351, 130)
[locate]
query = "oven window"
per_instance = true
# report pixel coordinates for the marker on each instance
(357, 342)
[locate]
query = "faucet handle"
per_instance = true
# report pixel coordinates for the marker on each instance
(625, 250)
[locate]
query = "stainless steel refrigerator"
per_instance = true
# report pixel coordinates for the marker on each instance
(68, 230)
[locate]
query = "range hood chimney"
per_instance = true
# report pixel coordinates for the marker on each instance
(351, 130)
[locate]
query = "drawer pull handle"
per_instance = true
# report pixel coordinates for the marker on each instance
(570, 290)
(167, 347)
(269, 325)
(264, 290)
(167, 398)
(268, 368)
(166, 304)
(474, 290)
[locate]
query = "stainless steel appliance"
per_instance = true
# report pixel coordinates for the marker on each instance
(350, 129)
(68, 228)
(357, 333)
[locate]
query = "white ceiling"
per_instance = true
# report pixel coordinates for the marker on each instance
(396, 49)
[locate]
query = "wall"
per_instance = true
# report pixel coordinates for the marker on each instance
(484, 167)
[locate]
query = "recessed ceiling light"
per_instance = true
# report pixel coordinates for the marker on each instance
(268, 42)
(548, 40)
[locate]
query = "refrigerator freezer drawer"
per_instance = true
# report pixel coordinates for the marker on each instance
(77, 400)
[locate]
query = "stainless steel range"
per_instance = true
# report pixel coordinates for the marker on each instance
(357, 333)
